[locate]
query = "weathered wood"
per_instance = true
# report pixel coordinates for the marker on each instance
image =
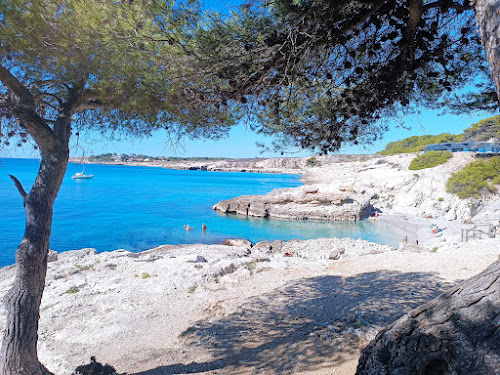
(456, 333)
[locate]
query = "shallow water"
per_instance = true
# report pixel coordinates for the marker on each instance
(137, 208)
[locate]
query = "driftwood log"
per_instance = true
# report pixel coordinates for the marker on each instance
(456, 333)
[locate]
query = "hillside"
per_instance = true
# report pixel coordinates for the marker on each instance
(487, 130)
(352, 190)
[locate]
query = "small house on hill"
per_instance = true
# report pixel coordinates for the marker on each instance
(483, 147)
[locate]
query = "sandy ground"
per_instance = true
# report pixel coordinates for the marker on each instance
(300, 307)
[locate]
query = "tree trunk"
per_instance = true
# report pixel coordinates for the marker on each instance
(18, 354)
(457, 333)
(488, 20)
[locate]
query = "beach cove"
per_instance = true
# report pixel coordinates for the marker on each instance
(273, 307)
(135, 208)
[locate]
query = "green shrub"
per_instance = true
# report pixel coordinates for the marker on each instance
(475, 178)
(312, 162)
(83, 268)
(417, 144)
(430, 159)
(484, 130)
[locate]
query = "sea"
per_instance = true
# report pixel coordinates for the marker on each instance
(138, 208)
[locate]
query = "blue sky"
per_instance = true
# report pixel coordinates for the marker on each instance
(241, 142)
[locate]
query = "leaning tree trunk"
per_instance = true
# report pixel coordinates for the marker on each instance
(457, 333)
(18, 354)
(488, 20)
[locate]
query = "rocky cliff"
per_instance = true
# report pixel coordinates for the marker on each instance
(351, 189)
(303, 203)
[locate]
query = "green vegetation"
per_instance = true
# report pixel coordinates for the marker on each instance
(417, 144)
(83, 268)
(102, 157)
(312, 162)
(475, 178)
(434, 250)
(430, 159)
(484, 130)
(145, 275)
(251, 266)
(72, 290)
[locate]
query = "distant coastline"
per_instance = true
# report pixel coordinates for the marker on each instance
(253, 165)
(285, 165)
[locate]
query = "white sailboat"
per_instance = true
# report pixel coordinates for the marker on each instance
(81, 175)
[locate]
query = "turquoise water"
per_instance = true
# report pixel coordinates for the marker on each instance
(137, 208)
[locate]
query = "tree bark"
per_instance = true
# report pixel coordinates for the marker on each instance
(18, 355)
(457, 333)
(488, 20)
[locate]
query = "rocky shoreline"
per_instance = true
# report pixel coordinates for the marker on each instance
(307, 205)
(301, 307)
(356, 189)
(275, 165)
(287, 165)
(297, 307)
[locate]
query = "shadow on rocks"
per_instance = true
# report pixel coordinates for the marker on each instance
(310, 324)
(95, 368)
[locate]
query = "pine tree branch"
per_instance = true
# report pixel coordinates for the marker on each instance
(24, 108)
(14, 85)
(19, 186)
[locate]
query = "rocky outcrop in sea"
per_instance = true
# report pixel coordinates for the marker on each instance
(302, 203)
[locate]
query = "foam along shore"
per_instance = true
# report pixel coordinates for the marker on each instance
(301, 307)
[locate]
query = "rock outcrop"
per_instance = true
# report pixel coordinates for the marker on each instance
(233, 310)
(302, 204)
(347, 189)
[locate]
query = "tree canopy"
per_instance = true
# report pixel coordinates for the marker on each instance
(417, 143)
(124, 65)
(484, 130)
(71, 65)
(322, 73)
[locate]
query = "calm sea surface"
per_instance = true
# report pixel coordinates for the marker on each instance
(137, 208)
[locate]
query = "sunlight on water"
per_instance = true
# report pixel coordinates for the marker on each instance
(137, 208)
